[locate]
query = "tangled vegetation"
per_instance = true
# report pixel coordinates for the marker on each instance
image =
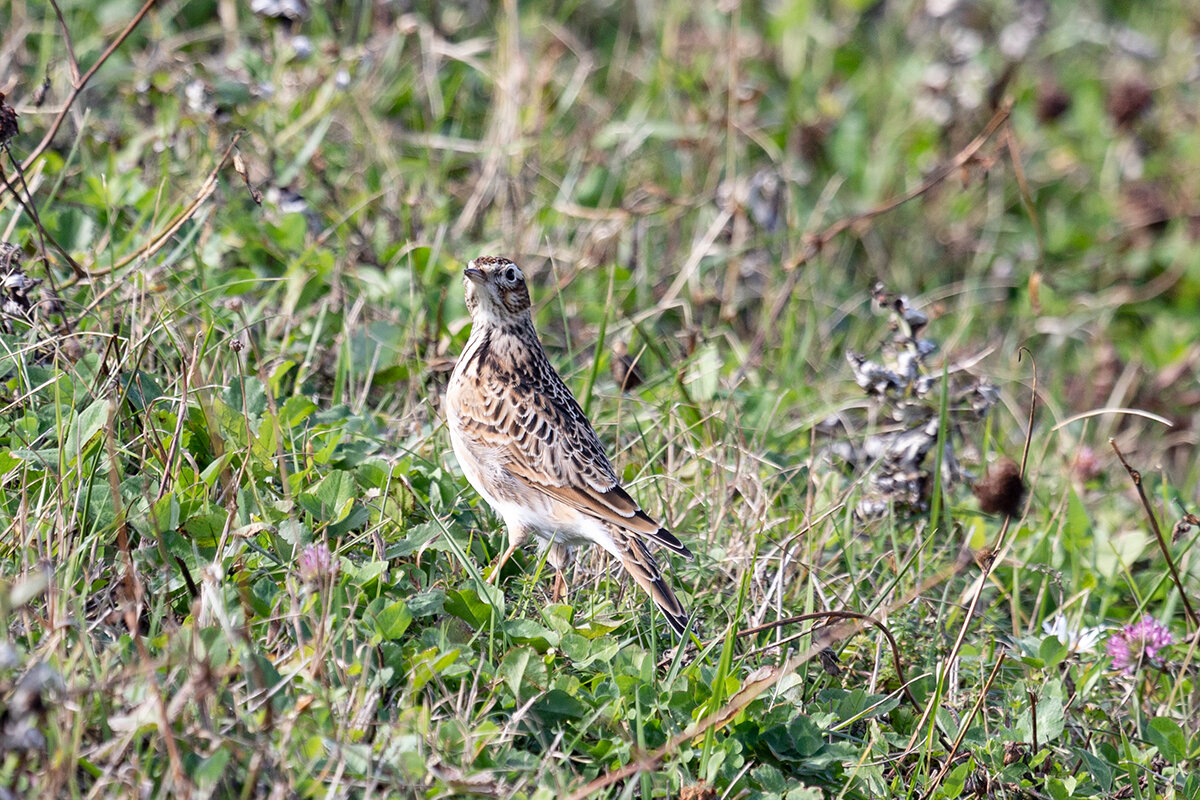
(888, 310)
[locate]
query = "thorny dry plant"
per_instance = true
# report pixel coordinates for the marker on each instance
(890, 439)
(16, 306)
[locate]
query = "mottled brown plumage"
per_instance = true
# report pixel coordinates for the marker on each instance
(526, 446)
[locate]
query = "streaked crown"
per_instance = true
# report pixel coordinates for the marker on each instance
(495, 289)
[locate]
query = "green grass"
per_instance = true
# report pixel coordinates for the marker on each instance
(216, 386)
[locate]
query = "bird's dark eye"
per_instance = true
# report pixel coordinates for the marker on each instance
(510, 274)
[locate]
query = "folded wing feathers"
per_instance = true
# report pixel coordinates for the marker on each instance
(549, 444)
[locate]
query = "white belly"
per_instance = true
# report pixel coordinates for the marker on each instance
(548, 519)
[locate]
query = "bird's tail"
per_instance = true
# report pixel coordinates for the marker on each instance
(640, 563)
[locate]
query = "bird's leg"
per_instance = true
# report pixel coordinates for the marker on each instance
(517, 534)
(558, 557)
(512, 548)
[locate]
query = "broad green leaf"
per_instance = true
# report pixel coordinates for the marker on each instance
(296, 409)
(416, 538)
(205, 529)
(1050, 719)
(84, 426)
(429, 664)
(1100, 770)
(393, 620)
(366, 575)
(512, 668)
(769, 778)
(952, 785)
(794, 742)
(428, 603)
(804, 793)
(209, 770)
(526, 631)
(467, 605)
(1052, 651)
(330, 501)
(8, 462)
(556, 707)
(1062, 788)
(1168, 737)
(165, 513)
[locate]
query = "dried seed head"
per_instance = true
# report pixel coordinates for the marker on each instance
(1002, 491)
(1014, 752)
(1128, 100)
(1052, 102)
(8, 121)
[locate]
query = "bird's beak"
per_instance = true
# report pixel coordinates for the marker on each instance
(475, 275)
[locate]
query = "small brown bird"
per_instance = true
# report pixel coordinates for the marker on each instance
(526, 446)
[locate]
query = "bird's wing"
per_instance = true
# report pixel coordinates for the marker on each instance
(532, 426)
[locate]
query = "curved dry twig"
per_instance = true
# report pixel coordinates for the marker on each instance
(1136, 477)
(895, 648)
(1032, 410)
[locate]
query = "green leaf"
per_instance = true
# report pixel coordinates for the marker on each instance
(794, 742)
(1052, 651)
(512, 668)
(165, 513)
(1100, 770)
(953, 783)
(141, 389)
(367, 575)
(209, 770)
(1078, 527)
(769, 778)
(429, 664)
(331, 500)
(1168, 737)
(375, 346)
(296, 409)
(415, 539)
(84, 426)
(556, 707)
(426, 604)
(804, 793)
(467, 605)
(1061, 788)
(8, 462)
(1050, 719)
(526, 631)
(393, 620)
(230, 424)
(205, 529)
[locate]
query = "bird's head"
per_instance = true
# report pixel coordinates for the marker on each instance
(496, 290)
